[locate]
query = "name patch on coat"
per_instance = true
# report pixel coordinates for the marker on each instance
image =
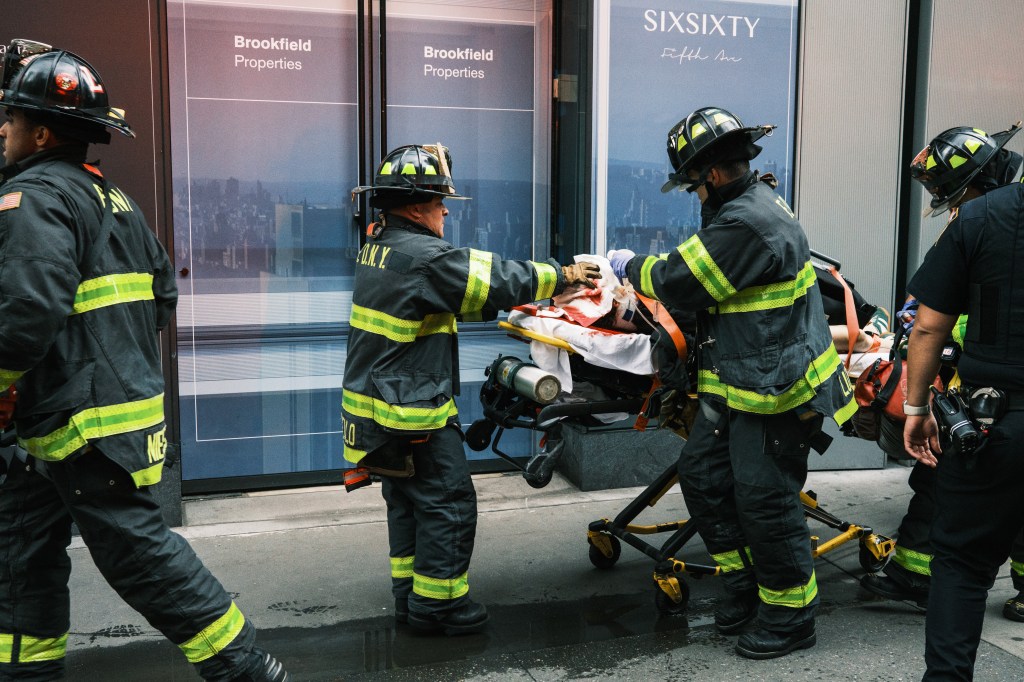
(9, 201)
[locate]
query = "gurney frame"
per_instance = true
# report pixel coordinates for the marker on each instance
(504, 409)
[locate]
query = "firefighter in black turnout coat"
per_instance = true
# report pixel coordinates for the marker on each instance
(768, 374)
(85, 288)
(401, 376)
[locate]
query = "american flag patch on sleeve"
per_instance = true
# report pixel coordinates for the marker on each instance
(9, 201)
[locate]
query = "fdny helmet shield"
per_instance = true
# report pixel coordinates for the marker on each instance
(17, 56)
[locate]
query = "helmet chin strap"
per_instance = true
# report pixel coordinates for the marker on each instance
(714, 199)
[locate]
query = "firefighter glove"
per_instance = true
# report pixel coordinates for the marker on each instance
(581, 274)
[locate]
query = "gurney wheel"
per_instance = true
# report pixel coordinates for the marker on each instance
(478, 435)
(665, 603)
(541, 481)
(598, 558)
(868, 561)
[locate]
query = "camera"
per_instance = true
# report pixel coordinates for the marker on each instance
(954, 420)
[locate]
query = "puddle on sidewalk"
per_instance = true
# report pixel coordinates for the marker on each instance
(379, 644)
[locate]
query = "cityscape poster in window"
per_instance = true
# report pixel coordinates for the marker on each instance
(657, 61)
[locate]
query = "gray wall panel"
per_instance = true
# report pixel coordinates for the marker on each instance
(970, 74)
(849, 127)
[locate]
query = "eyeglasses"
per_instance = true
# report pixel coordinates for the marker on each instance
(15, 56)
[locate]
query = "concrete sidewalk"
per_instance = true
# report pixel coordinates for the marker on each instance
(309, 568)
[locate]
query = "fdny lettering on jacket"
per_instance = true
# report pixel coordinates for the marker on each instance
(349, 430)
(374, 255)
(118, 201)
(156, 445)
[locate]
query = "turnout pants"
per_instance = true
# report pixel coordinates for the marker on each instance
(741, 475)
(978, 516)
(432, 525)
(911, 562)
(153, 569)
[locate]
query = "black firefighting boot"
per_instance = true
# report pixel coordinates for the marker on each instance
(271, 670)
(1014, 608)
(735, 611)
(401, 609)
(891, 588)
(468, 618)
(762, 643)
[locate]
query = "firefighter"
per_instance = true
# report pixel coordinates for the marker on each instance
(964, 164)
(969, 269)
(85, 288)
(768, 374)
(401, 376)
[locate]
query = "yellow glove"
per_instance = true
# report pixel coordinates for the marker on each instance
(581, 274)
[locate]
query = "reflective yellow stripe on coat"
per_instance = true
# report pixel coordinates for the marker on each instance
(8, 377)
(478, 284)
(547, 278)
(113, 289)
(396, 416)
(768, 296)
(395, 328)
(94, 423)
(820, 370)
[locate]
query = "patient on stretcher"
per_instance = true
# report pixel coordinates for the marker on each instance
(606, 341)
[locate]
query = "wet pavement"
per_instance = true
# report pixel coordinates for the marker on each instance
(309, 569)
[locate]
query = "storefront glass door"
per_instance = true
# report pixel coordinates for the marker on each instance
(271, 127)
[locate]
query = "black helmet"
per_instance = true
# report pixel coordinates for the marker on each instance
(412, 174)
(61, 86)
(951, 161)
(707, 136)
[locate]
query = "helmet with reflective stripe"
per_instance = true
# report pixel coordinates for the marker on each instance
(61, 86)
(412, 174)
(708, 136)
(953, 159)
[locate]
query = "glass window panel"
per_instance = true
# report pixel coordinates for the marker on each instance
(264, 140)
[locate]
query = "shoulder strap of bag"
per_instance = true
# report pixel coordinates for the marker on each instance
(885, 393)
(94, 250)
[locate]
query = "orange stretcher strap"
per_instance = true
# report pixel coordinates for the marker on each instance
(641, 419)
(851, 316)
(667, 323)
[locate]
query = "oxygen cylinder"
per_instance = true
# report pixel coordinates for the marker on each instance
(527, 380)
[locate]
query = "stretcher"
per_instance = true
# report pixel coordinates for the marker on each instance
(511, 397)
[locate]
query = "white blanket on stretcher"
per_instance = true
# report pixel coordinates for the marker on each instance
(627, 352)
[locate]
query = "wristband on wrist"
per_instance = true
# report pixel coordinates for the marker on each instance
(915, 410)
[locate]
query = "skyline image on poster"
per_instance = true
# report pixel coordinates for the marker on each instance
(667, 59)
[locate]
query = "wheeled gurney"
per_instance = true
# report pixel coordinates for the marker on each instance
(511, 397)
